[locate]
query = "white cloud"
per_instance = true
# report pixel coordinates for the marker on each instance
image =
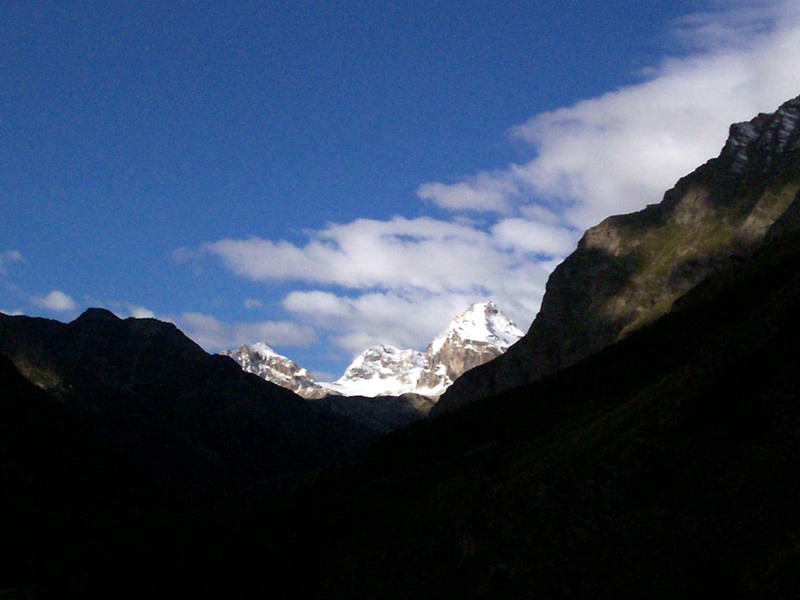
(482, 193)
(318, 305)
(399, 254)
(140, 312)
(8, 258)
(734, 24)
(623, 150)
(538, 238)
(252, 303)
(56, 300)
(406, 321)
(405, 278)
(400, 280)
(214, 335)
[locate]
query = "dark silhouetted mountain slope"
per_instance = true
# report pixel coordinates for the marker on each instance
(190, 418)
(67, 492)
(666, 465)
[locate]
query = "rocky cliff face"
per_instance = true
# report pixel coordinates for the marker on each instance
(474, 337)
(629, 270)
(263, 361)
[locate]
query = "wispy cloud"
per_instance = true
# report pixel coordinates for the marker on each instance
(399, 281)
(252, 304)
(56, 301)
(400, 254)
(355, 323)
(484, 192)
(140, 312)
(8, 258)
(214, 335)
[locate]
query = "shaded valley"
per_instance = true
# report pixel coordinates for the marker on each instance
(642, 440)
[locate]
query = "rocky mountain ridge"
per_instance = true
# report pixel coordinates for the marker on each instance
(478, 334)
(263, 361)
(630, 269)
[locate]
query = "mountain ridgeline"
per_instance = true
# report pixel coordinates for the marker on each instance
(385, 387)
(642, 440)
(630, 269)
(189, 419)
(475, 336)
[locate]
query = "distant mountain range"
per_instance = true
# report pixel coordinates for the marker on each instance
(387, 388)
(260, 359)
(475, 336)
(641, 440)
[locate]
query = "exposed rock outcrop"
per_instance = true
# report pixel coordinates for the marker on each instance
(263, 361)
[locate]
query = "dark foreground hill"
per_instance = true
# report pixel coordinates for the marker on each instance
(667, 465)
(62, 484)
(192, 421)
(134, 450)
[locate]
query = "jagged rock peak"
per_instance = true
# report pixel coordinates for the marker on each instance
(260, 359)
(473, 337)
(756, 145)
(481, 322)
(476, 336)
(262, 349)
(384, 362)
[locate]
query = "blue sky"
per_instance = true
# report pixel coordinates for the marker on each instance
(327, 175)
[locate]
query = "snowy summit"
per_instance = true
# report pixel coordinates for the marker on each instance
(472, 338)
(475, 336)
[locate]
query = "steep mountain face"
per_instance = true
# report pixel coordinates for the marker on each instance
(263, 361)
(476, 336)
(381, 371)
(630, 269)
(197, 422)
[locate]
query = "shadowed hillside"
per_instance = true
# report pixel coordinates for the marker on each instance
(664, 466)
(194, 421)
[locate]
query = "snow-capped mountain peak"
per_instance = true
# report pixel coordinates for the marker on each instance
(263, 361)
(473, 337)
(263, 350)
(477, 335)
(482, 322)
(381, 370)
